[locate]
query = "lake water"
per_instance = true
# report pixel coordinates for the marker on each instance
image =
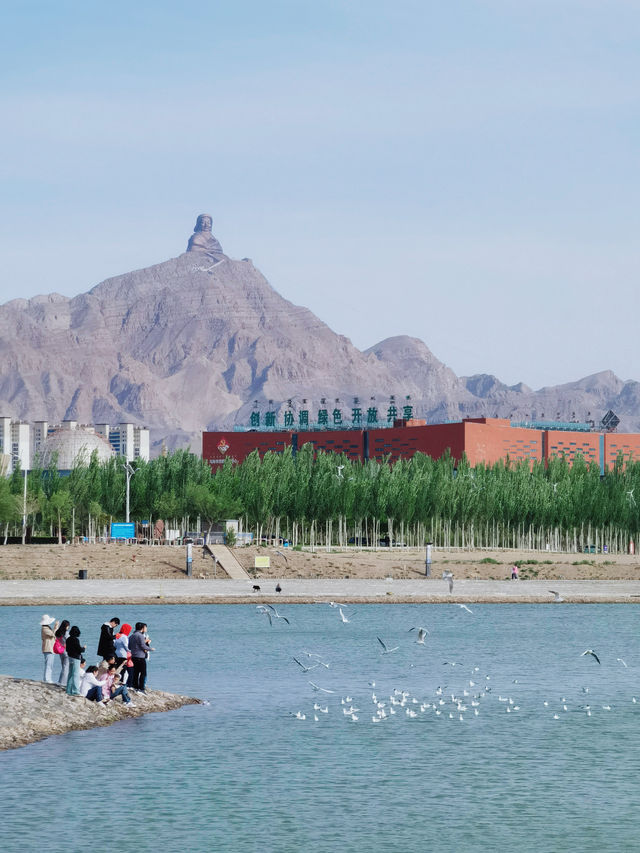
(243, 773)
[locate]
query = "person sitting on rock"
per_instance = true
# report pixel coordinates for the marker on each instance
(90, 685)
(118, 689)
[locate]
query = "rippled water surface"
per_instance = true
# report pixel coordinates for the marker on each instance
(243, 774)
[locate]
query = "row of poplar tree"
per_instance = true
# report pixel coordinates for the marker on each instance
(325, 499)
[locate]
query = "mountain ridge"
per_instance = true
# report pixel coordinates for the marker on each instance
(188, 344)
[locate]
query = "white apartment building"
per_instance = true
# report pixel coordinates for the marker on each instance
(15, 443)
(128, 440)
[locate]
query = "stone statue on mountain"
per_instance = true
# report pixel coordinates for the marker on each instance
(203, 241)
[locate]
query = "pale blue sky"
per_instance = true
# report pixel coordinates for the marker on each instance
(464, 172)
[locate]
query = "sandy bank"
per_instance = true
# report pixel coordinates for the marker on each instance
(31, 710)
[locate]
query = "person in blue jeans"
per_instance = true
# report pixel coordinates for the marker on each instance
(118, 689)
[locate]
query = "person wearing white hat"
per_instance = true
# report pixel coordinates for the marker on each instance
(48, 638)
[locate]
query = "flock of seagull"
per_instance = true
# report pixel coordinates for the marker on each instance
(470, 696)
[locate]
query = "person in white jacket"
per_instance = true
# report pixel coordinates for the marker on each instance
(90, 686)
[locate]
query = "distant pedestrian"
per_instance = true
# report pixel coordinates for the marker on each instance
(514, 572)
(106, 648)
(74, 650)
(59, 647)
(48, 639)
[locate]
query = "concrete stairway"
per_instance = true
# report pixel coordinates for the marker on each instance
(227, 562)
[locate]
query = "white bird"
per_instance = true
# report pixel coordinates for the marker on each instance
(448, 576)
(622, 662)
(557, 597)
(422, 632)
(590, 652)
(316, 657)
(343, 617)
(386, 650)
(300, 716)
(450, 663)
(273, 612)
(337, 604)
(464, 607)
(317, 688)
(305, 668)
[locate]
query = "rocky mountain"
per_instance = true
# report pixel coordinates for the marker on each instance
(190, 343)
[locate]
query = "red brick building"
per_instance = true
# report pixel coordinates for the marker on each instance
(481, 439)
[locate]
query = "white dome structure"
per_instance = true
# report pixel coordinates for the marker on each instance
(73, 447)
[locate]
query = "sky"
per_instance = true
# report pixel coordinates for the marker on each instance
(463, 172)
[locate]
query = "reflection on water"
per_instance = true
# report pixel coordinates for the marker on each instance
(242, 773)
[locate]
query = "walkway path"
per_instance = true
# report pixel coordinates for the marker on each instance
(192, 591)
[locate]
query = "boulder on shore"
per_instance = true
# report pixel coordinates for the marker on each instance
(32, 710)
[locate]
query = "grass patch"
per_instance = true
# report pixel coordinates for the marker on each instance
(584, 563)
(489, 561)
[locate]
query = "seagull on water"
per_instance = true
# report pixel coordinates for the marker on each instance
(557, 597)
(422, 632)
(386, 650)
(590, 652)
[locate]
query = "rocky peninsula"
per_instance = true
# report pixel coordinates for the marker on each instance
(32, 710)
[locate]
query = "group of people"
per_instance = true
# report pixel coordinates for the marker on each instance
(123, 668)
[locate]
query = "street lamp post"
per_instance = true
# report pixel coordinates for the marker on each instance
(24, 507)
(129, 471)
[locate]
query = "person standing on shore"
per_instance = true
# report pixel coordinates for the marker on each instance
(59, 647)
(74, 651)
(48, 639)
(138, 649)
(106, 647)
(122, 648)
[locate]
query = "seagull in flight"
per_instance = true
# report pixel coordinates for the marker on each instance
(317, 688)
(318, 659)
(557, 596)
(422, 633)
(275, 613)
(464, 607)
(343, 617)
(590, 652)
(622, 662)
(448, 576)
(386, 650)
(303, 667)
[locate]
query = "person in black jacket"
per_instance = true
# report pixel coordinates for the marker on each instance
(74, 651)
(106, 647)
